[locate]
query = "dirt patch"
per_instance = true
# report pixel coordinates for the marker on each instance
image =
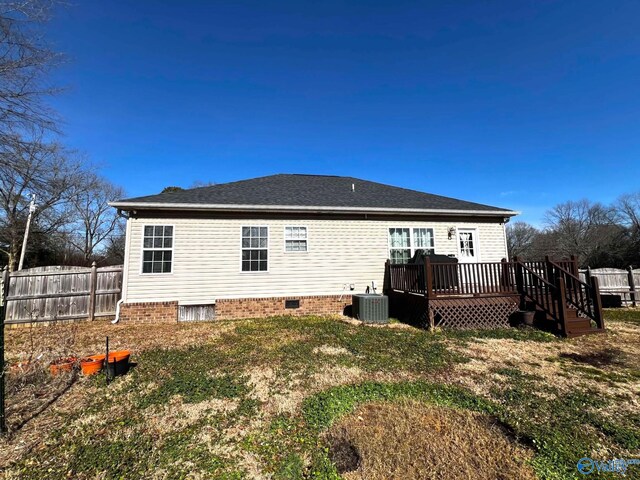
(598, 358)
(412, 440)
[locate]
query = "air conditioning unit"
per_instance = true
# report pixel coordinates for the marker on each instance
(370, 307)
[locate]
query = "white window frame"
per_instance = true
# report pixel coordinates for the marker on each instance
(412, 242)
(284, 233)
(254, 272)
(173, 244)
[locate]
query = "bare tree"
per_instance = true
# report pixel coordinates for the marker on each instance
(114, 251)
(94, 220)
(628, 209)
(581, 228)
(25, 61)
(521, 238)
(35, 166)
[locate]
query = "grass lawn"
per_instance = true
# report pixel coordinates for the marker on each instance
(315, 397)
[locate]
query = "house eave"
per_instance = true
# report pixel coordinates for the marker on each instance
(126, 206)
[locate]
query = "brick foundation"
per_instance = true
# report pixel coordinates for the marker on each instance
(268, 307)
(149, 312)
(229, 309)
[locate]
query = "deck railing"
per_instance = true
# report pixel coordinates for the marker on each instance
(407, 277)
(453, 279)
(536, 288)
(583, 296)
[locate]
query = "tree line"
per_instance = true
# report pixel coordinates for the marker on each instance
(599, 235)
(72, 223)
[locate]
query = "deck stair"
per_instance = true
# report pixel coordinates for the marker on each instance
(561, 300)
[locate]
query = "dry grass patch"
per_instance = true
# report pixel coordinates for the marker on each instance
(413, 440)
(89, 337)
(607, 363)
(177, 415)
(331, 350)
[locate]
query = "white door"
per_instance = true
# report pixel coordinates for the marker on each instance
(468, 253)
(468, 245)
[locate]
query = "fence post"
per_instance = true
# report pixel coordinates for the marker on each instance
(632, 285)
(93, 280)
(597, 303)
(3, 310)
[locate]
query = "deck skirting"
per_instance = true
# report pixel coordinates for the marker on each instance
(476, 312)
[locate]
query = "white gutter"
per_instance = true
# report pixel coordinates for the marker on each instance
(301, 208)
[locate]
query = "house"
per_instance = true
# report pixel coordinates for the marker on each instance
(287, 244)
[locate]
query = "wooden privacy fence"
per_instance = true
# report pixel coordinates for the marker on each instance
(45, 294)
(625, 283)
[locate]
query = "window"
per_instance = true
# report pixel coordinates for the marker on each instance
(403, 243)
(399, 245)
(295, 239)
(157, 249)
(423, 240)
(255, 242)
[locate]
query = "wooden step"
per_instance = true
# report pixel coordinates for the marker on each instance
(578, 325)
(585, 332)
(571, 314)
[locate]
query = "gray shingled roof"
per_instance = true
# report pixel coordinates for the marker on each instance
(306, 191)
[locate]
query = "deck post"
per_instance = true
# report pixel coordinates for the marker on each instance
(574, 266)
(504, 275)
(597, 303)
(587, 275)
(561, 299)
(520, 283)
(632, 285)
(428, 278)
(386, 283)
(93, 280)
(549, 269)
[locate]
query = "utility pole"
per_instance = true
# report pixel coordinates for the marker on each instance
(32, 208)
(3, 311)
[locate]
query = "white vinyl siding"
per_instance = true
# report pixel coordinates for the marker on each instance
(207, 257)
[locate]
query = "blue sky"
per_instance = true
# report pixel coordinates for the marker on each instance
(516, 104)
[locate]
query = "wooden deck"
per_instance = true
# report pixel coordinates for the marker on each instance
(486, 295)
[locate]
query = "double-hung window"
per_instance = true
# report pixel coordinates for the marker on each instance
(295, 239)
(255, 245)
(157, 249)
(403, 243)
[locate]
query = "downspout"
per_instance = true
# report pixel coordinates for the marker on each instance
(124, 268)
(117, 319)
